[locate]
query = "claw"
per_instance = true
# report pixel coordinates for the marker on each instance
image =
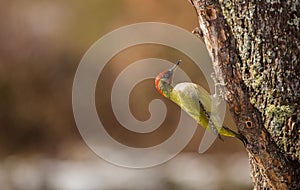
(217, 84)
(198, 32)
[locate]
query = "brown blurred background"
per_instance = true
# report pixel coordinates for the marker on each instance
(42, 43)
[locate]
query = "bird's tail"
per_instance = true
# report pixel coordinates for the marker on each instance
(237, 135)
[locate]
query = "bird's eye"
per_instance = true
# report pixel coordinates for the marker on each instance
(166, 75)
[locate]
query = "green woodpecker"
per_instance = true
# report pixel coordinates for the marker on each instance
(194, 100)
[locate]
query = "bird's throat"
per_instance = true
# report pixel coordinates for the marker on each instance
(164, 88)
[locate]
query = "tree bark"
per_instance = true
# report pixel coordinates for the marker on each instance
(255, 50)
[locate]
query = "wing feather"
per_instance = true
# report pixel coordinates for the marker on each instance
(187, 96)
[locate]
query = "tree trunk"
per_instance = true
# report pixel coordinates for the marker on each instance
(255, 50)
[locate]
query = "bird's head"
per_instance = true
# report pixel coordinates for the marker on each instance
(163, 81)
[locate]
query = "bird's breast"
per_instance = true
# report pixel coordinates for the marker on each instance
(186, 90)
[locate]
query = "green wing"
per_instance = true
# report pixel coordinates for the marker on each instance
(189, 96)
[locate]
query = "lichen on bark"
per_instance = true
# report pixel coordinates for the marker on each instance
(267, 37)
(254, 47)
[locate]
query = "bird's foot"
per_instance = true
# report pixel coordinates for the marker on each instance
(218, 85)
(198, 32)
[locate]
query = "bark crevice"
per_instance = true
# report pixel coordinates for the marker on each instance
(253, 65)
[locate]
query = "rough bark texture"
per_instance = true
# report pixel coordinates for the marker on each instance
(255, 50)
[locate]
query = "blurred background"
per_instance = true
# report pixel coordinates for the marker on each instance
(41, 45)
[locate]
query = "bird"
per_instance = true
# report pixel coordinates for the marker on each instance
(194, 100)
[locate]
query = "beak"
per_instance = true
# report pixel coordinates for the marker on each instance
(175, 66)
